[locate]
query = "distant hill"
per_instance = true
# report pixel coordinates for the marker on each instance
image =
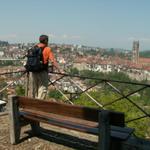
(145, 54)
(4, 43)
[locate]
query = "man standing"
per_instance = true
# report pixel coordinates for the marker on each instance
(40, 79)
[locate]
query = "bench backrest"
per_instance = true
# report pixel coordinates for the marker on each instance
(81, 112)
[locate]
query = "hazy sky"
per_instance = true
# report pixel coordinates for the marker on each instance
(103, 23)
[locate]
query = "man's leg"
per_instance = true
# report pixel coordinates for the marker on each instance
(34, 86)
(43, 85)
(35, 126)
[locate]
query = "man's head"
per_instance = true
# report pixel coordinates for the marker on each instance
(43, 39)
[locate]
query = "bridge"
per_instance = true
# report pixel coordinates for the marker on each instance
(97, 95)
(11, 59)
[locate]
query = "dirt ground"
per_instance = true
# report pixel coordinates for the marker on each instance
(74, 140)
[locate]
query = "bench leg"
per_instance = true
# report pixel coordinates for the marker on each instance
(14, 120)
(35, 126)
(104, 131)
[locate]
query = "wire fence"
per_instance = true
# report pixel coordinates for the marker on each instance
(101, 85)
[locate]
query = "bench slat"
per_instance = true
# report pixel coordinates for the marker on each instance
(90, 114)
(60, 117)
(121, 133)
(86, 113)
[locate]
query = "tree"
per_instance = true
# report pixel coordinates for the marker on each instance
(54, 94)
(74, 71)
(20, 90)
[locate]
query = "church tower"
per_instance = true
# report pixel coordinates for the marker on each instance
(135, 52)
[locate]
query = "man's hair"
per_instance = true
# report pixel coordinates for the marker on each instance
(43, 39)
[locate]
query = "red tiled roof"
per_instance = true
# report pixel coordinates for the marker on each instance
(115, 61)
(144, 60)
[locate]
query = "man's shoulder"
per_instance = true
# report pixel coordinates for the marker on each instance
(47, 48)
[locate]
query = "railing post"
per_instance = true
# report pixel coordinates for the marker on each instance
(27, 84)
(104, 130)
(30, 90)
(14, 120)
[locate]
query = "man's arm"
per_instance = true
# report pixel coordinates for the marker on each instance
(53, 61)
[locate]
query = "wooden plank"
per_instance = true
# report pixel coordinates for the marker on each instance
(60, 117)
(86, 113)
(122, 133)
(14, 120)
(90, 114)
(119, 135)
(124, 129)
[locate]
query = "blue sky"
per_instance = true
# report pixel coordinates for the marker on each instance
(103, 23)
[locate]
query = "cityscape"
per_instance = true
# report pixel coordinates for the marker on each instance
(81, 61)
(91, 58)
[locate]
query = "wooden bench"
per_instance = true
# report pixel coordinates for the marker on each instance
(105, 124)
